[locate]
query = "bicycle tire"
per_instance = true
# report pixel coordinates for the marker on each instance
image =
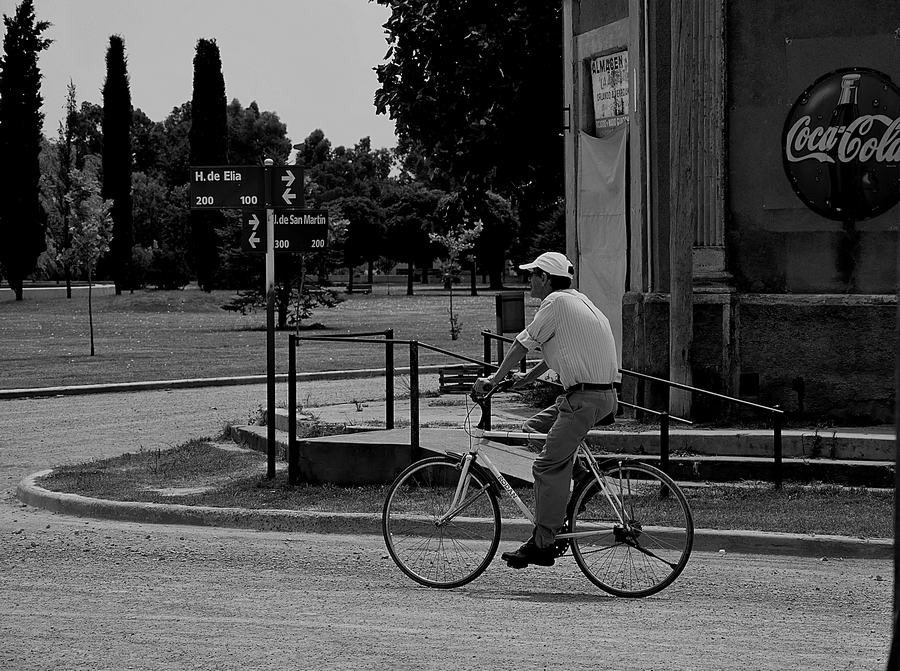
(444, 555)
(652, 551)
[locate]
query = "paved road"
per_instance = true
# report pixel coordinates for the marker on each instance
(89, 594)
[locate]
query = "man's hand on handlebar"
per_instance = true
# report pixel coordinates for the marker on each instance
(482, 387)
(485, 386)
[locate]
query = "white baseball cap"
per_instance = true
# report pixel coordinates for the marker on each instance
(552, 263)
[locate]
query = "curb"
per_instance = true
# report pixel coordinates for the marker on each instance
(151, 385)
(705, 540)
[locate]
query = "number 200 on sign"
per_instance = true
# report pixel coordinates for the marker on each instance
(210, 200)
(313, 244)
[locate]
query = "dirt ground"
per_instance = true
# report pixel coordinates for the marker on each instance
(89, 594)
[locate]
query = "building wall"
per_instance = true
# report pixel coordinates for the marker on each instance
(775, 51)
(818, 357)
(792, 327)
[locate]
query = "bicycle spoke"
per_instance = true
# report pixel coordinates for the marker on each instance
(648, 553)
(442, 548)
(647, 539)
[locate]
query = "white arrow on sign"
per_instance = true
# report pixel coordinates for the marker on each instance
(254, 222)
(288, 196)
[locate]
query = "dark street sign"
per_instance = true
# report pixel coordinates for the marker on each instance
(217, 187)
(296, 230)
(287, 186)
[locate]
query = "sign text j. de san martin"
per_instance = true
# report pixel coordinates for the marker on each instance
(304, 219)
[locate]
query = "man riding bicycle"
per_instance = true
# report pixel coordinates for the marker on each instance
(576, 341)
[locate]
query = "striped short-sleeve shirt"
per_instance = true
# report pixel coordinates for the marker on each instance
(574, 337)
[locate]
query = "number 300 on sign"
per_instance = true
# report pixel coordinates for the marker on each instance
(282, 244)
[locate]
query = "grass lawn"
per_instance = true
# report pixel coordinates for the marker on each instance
(202, 473)
(166, 335)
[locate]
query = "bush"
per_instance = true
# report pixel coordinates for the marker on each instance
(168, 270)
(293, 308)
(141, 262)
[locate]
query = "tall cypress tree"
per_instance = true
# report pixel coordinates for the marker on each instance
(117, 159)
(22, 218)
(208, 140)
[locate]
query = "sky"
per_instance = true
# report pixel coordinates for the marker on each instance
(309, 61)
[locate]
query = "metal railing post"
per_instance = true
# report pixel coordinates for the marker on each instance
(776, 426)
(293, 460)
(664, 451)
(389, 379)
(414, 399)
(664, 442)
(487, 352)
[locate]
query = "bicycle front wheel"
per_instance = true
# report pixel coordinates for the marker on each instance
(432, 544)
(643, 547)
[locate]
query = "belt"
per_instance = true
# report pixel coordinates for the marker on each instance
(587, 386)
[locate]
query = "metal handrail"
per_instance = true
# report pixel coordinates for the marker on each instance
(685, 387)
(776, 412)
(388, 341)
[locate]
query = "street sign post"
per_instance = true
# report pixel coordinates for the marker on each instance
(296, 230)
(283, 226)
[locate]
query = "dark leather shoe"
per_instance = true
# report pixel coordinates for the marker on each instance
(529, 553)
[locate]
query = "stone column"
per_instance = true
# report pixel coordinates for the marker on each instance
(709, 235)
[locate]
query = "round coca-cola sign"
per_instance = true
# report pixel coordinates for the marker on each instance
(841, 145)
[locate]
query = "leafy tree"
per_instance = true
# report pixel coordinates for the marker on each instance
(207, 136)
(315, 150)
(365, 232)
(456, 242)
(87, 133)
(410, 215)
(500, 226)
(91, 229)
(169, 268)
(147, 143)
(176, 149)
(254, 136)
(345, 172)
(117, 118)
(353, 180)
(22, 217)
(151, 206)
(473, 88)
(56, 184)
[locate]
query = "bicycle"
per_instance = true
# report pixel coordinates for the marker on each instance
(629, 526)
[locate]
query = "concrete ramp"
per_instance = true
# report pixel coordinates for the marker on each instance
(377, 457)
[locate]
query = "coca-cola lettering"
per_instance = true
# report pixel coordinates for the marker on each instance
(841, 145)
(853, 142)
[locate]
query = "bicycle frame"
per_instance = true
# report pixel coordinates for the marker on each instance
(483, 438)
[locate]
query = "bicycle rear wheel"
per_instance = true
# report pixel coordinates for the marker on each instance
(430, 550)
(650, 550)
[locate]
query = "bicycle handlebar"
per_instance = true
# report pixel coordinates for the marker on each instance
(482, 399)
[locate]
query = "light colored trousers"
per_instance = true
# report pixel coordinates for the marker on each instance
(566, 423)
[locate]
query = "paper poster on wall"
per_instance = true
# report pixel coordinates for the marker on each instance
(609, 81)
